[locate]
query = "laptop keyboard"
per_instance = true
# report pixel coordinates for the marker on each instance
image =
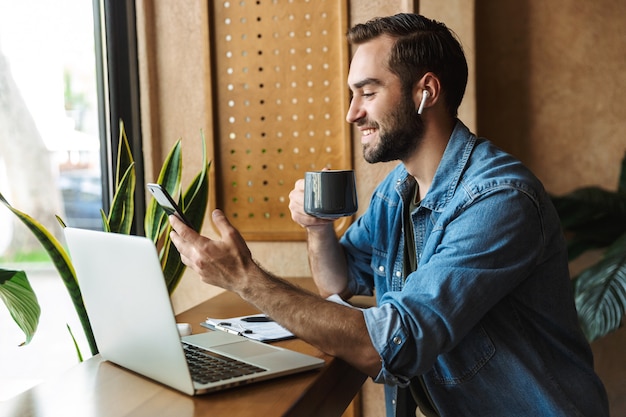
(207, 366)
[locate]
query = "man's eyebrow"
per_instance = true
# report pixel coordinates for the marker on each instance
(367, 81)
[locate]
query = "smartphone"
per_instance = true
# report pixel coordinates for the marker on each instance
(166, 202)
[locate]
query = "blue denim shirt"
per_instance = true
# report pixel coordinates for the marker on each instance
(488, 318)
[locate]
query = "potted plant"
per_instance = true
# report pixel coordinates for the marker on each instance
(15, 290)
(595, 219)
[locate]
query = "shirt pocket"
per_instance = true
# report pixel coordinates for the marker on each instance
(465, 360)
(378, 263)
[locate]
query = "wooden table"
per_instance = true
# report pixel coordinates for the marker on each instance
(99, 388)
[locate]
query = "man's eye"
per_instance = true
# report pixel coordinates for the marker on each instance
(361, 94)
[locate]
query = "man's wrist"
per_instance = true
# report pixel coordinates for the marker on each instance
(320, 230)
(256, 280)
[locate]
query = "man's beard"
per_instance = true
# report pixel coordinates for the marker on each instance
(404, 129)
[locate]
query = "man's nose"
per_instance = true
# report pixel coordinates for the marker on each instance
(355, 112)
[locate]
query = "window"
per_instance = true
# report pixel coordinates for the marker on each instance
(64, 85)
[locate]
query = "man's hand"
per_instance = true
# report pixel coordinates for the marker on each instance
(296, 206)
(219, 262)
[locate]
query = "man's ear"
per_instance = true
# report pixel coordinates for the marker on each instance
(426, 92)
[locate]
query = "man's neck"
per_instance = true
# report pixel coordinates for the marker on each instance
(424, 161)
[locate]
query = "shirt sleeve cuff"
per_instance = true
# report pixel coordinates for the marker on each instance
(387, 336)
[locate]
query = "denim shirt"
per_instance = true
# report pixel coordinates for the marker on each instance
(487, 318)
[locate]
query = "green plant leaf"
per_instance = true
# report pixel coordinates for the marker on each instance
(600, 292)
(105, 221)
(20, 299)
(62, 263)
(124, 156)
(172, 169)
(76, 347)
(196, 198)
(173, 267)
(120, 219)
(155, 222)
(122, 210)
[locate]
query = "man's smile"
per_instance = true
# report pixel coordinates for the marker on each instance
(367, 133)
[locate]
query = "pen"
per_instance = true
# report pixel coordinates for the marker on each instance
(257, 319)
(227, 330)
(223, 327)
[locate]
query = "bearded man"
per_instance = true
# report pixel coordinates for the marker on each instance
(460, 243)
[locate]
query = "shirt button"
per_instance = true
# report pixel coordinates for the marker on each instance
(397, 340)
(381, 268)
(398, 274)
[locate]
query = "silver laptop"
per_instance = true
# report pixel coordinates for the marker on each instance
(131, 315)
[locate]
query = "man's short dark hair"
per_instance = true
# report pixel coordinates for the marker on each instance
(422, 45)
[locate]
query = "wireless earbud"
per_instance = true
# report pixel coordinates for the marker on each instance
(425, 96)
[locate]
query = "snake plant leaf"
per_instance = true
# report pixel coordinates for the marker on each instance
(60, 220)
(105, 221)
(20, 299)
(155, 222)
(600, 292)
(196, 199)
(76, 347)
(124, 156)
(158, 222)
(122, 211)
(172, 169)
(63, 264)
(120, 217)
(173, 267)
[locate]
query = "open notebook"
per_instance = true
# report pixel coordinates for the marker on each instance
(129, 308)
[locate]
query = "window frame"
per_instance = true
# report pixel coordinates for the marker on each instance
(117, 73)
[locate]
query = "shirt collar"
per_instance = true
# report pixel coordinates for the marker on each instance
(448, 175)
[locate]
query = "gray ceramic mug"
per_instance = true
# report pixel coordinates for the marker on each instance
(330, 194)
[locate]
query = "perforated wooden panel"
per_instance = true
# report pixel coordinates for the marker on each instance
(280, 82)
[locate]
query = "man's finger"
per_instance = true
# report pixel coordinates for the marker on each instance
(181, 229)
(176, 223)
(220, 220)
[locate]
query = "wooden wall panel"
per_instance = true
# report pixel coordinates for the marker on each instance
(280, 102)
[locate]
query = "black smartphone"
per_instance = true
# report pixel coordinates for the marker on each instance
(166, 202)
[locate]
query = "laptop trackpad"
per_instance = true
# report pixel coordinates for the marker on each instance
(244, 349)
